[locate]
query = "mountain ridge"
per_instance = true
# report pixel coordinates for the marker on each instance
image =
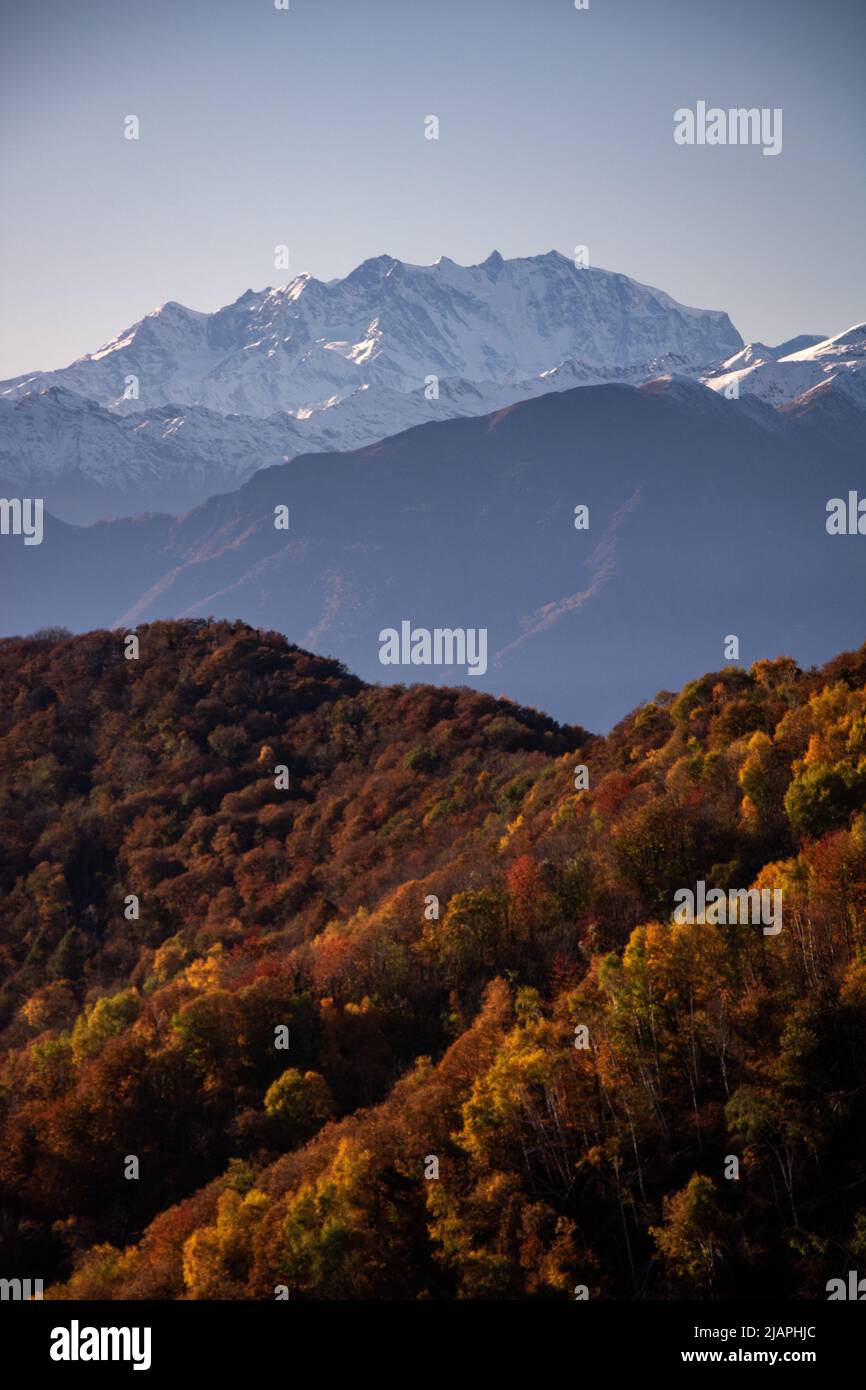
(389, 323)
(783, 377)
(318, 366)
(369, 530)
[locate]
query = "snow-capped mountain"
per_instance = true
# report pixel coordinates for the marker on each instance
(388, 324)
(798, 371)
(88, 462)
(314, 367)
(317, 367)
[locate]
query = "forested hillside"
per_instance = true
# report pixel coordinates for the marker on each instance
(509, 1074)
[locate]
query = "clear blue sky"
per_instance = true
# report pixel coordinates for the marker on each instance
(305, 127)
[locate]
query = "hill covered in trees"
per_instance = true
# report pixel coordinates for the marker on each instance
(509, 1073)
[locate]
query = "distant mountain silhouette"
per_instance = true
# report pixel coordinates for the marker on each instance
(706, 519)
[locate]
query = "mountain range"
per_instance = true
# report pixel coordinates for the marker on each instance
(184, 404)
(796, 371)
(428, 433)
(390, 324)
(706, 519)
(316, 367)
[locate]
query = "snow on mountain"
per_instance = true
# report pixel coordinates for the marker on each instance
(389, 324)
(315, 366)
(782, 378)
(753, 353)
(87, 461)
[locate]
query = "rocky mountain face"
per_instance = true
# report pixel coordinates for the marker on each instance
(389, 324)
(185, 404)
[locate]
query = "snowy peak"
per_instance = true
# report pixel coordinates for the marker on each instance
(797, 369)
(803, 340)
(754, 353)
(183, 404)
(391, 324)
(850, 344)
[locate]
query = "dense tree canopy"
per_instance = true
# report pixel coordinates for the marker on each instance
(414, 1018)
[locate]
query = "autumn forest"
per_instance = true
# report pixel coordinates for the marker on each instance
(412, 1017)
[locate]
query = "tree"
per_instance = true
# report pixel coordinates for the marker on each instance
(696, 1235)
(298, 1103)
